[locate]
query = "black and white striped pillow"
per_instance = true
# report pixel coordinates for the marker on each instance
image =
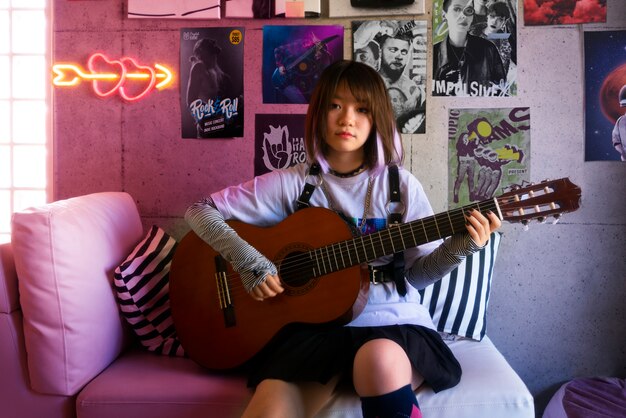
(458, 302)
(142, 286)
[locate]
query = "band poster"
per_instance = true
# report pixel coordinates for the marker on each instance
(174, 9)
(563, 12)
(279, 142)
(397, 49)
(605, 95)
(294, 58)
(488, 151)
(211, 82)
(475, 48)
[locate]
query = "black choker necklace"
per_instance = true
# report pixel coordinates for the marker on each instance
(352, 173)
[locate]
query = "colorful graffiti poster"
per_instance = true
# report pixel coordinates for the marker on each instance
(605, 107)
(397, 49)
(294, 57)
(174, 9)
(211, 82)
(279, 142)
(563, 12)
(488, 151)
(475, 48)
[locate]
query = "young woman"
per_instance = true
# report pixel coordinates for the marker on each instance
(391, 347)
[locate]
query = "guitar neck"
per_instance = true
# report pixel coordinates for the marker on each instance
(393, 239)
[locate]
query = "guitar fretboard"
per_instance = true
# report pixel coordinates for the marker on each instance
(395, 238)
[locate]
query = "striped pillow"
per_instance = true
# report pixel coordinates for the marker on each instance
(458, 302)
(142, 286)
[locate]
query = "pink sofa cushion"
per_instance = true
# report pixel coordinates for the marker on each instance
(65, 253)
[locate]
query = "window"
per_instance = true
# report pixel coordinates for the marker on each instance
(25, 139)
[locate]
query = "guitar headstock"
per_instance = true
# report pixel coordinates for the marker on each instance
(550, 198)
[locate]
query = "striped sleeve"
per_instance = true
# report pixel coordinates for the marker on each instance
(209, 224)
(432, 267)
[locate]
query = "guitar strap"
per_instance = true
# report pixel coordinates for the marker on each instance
(307, 191)
(395, 218)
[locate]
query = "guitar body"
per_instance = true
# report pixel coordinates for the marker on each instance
(223, 338)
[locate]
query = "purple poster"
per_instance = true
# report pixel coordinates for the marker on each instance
(211, 82)
(293, 59)
(279, 142)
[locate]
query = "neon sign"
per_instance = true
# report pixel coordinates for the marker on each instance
(125, 76)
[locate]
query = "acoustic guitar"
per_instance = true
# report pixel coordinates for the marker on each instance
(322, 266)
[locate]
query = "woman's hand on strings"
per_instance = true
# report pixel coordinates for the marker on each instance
(480, 226)
(268, 289)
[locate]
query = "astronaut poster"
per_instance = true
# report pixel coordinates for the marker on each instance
(488, 151)
(475, 48)
(211, 82)
(605, 95)
(563, 12)
(279, 142)
(294, 58)
(397, 49)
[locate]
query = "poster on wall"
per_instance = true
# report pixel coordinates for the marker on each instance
(375, 8)
(298, 8)
(294, 57)
(174, 9)
(279, 142)
(475, 48)
(563, 12)
(488, 151)
(255, 9)
(605, 95)
(211, 82)
(397, 50)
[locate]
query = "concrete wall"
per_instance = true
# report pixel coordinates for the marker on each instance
(557, 309)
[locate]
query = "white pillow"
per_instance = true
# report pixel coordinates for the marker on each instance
(458, 302)
(142, 288)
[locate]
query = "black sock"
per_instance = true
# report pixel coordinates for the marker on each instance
(400, 403)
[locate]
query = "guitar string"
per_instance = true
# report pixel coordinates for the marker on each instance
(303, 260)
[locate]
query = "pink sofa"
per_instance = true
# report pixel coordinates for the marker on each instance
(65, 350)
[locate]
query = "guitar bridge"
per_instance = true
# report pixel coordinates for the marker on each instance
(223, 292)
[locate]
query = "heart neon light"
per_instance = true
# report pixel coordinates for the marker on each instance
(125, 76)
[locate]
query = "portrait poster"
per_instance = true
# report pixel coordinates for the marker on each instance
(211, 82)
(294, 58)
(475, 48)
(279, 142)
(298, 8)
(488, 151)
(397, 49)
(254, 9)
(375, 8)
(605, 107)
(563, 12)
(174, 9)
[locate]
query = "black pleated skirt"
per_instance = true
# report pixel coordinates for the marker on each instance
(312, 353)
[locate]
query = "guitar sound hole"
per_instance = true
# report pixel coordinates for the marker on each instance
(296, 273)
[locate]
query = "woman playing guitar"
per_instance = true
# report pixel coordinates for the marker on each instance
(391, 347)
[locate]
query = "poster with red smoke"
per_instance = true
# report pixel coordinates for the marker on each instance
(489, 151)
(605, 95)
(211, 82)
(563, 12)
(474, 48)
(279, 142)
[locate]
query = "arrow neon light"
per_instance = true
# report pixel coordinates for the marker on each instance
(125, 76)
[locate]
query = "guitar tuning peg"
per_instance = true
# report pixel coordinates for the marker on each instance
(542, 219)
(557, 218)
